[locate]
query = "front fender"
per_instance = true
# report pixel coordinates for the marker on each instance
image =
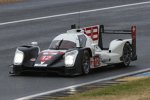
(30, 54)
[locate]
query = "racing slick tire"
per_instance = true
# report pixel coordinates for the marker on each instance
(126, 56)
(15, 71)
(86, 62)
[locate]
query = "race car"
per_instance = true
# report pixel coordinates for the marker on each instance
(76, 52)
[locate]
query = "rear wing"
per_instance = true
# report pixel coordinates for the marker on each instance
(131, 32)
(95, 33)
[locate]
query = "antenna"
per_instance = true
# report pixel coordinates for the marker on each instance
(73, 26)
(79, 19)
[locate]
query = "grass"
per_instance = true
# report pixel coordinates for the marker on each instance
(8, 1)
(133, 90)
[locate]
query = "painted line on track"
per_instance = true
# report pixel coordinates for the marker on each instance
(73, 13)
(82, 84)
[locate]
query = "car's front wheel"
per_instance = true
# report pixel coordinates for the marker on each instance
(15, 70)
(86, 62)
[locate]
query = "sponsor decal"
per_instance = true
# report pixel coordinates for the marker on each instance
(133, 30)
(40, 65)
(92, 32)
(48, 55)
(95, 61)
(45, 58)
(52, 53)
(32, 59)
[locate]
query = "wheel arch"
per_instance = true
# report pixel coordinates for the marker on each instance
(127, 42)
(89, 50)
(29, 53)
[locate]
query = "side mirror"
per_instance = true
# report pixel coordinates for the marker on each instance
(96, 47)
(34, 43)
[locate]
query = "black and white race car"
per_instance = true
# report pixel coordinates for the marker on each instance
(76, 52)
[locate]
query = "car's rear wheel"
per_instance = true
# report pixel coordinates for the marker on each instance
(126, 56)
(86, 63)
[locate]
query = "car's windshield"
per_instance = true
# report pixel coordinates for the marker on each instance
(62, 44)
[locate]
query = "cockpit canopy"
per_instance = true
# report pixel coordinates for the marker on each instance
(69, 40)
(62, 45)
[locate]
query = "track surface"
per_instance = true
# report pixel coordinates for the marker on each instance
(44, 30)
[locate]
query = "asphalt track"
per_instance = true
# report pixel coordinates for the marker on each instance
(44, 30)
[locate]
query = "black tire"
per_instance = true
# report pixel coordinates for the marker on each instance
(86, 62)
(15, 71)
(126, 56)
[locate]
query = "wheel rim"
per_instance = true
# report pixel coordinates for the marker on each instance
(86, 64)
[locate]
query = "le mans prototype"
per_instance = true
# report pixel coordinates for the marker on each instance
(76, 52)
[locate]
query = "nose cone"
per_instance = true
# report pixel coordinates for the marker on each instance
(47, 58)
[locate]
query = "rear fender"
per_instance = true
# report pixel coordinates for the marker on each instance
(116, 46)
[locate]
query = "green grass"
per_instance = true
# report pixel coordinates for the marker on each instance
(9, 1)
(134, 90)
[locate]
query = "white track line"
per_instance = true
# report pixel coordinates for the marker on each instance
(73, 13)
(82, 84)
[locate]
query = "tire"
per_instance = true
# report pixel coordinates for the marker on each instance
(86, 63)
(15, 71)
(126, 56)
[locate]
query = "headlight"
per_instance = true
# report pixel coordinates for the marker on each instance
(19, 56)
(70, 58)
